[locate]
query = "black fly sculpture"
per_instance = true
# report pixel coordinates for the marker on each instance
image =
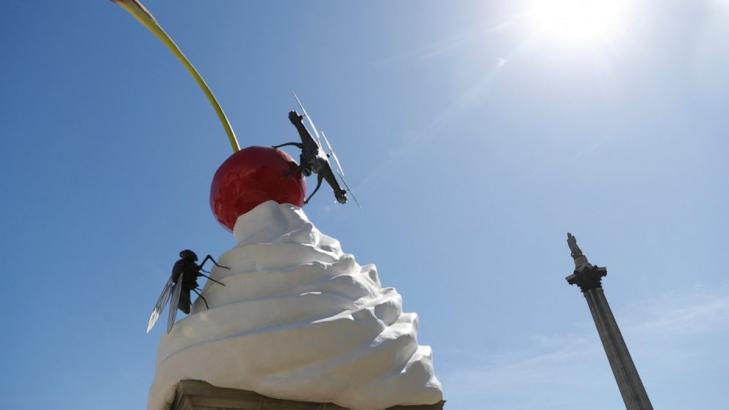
(177, 289)
(314, 159)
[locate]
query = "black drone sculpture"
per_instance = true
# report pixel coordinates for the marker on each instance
(314, 159)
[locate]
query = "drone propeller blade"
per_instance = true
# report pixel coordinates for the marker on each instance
(161, 301)
(308, 119)
(346, 185)
(333, 153)
(340, 171)
(174, 301)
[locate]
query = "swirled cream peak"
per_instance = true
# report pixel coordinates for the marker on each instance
(297, 319)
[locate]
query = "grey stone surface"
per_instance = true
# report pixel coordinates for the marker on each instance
(589, 278)
(621, 363)
(580, 259)
(199, 395)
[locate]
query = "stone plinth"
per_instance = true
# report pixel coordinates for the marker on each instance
(199, 395)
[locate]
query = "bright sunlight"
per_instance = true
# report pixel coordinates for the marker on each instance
(578, 23)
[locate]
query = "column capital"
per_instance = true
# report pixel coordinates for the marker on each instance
(587, 278)
(586, 275)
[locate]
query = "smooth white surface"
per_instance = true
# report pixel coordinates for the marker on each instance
(298, 319)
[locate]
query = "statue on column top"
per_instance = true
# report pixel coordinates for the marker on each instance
(581, 261)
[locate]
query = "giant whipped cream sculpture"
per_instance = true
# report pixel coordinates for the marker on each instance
(297, 318)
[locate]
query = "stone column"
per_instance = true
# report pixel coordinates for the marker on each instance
(589, 279)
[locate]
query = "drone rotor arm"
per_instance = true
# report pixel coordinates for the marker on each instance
(339, 170)
(346, 185)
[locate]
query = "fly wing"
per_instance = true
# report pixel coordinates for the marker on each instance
(339, 170)
(176, 291)
(308, 119)
(160, 305)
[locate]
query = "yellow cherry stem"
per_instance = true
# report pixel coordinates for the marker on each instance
(136, 9)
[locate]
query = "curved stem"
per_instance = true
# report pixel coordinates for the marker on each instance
(136, 9)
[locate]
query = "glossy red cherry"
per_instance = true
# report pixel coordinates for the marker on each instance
(251, 176)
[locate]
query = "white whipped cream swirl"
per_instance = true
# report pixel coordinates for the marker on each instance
(298, 319)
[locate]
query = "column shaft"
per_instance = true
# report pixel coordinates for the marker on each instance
(626, 375)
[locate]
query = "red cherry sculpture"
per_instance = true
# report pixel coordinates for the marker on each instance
(251, 176)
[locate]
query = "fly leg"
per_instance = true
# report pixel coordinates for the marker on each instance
(203, 299)
(339, 193)
(210, 258)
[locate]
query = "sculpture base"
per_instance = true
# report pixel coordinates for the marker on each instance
(199, 395)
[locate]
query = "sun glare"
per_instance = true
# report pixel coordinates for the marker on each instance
(577, 22)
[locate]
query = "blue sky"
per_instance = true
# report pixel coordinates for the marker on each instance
(474, 139)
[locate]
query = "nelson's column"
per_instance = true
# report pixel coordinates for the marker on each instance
(589, 278)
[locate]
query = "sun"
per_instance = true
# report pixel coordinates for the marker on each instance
(577, 23)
